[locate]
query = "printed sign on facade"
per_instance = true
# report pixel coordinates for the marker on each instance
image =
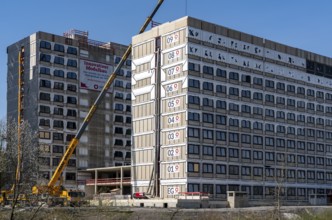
(94, 75)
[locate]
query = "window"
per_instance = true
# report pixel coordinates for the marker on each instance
(320, 95)
(258, 81)
(221, 73)
(245, 154)
(208, 188)
(221, 104)
(45, 83)
(58, 85)
(281, 100)
(194, 67)
(59, 60)
(58, 111)
(221, 151)
(128, 85)
(118, 83)
(245, 171)
(269, 98)
(301, 118)
(220, 136)
(258, 96)
(45, 45)
(233, 122)
(310, 106)
(72, 63)
(193, 132)
(246, 109)
(300, 159)
(234, 76)
(118, 142)
(44, 122)
(300, 90)
(269, 127)
(207, 150)
(193, 116)
(258, 155)
(300, 104)
(70, 176)
(233, 170)
(221, 89)
(269, 156)
(208, 118)
(208, 86)
(257, 190)
(233, 137)
(207, 134)
(281, 129)
(193, 167)
(280, 143)
(291, 102)
(258, 125)
(69, 137)
(258, 110)
(59, 73)
(208, 70)
(207, 168)
(44, 70)
(233, 107)
(194, 100)
(58, 98)
(45, 57)
(258, 171)
(246, 78)
(118, 107)
(291, 144)
(269, 141)
(71, 100)
(234, 153)
(233, 91)
(220, 169)
(72, 163)
(71, 75)
(320, 108)
(193, 149)
(269, 83)
(192, 187)
(246, 138)
(258, 140)
(246, 124)
(58, 136)
(71, 87)
(269, 112)
(59, 47)
(246, 94)
(208, 102)
(194, 83)
(44, 96)
(221, 119)
(44, 109)
(57, 149)
(71, 125)
(57, 124)
(291, 88)
(280, 114)
(118, 130)
(72, 50)
(281, 86)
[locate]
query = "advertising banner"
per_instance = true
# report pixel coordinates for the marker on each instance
(94, 75)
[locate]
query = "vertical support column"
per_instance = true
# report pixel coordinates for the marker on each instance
(121, 178)
(96, 177)
(157, 118)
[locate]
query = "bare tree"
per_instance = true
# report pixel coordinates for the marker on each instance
(20, 167)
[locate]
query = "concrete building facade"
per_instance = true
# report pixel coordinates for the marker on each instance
(217, 110)
(62, 78)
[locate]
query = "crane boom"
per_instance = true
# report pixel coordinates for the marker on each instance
(72, 146)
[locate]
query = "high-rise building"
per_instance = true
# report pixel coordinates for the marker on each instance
(217, 110)
(62, 76)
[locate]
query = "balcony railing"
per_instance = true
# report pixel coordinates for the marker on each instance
(108, 181)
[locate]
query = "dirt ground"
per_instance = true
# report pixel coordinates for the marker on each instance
(113, 213)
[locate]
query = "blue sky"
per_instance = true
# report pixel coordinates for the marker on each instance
(304, 24)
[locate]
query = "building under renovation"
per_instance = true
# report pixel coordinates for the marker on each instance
(61, 78)
(217, 110)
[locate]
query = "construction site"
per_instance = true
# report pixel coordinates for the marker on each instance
(191, 115)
